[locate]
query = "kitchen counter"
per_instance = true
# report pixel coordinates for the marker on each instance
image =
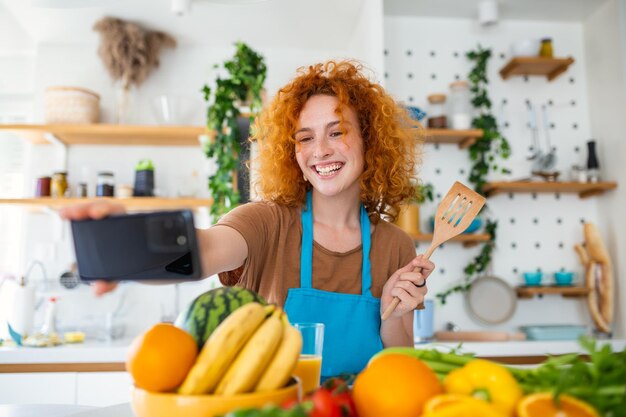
(110, 356)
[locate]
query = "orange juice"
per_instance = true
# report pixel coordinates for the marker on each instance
(309, 370)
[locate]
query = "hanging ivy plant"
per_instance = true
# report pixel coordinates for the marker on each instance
(244, 83)
(485, 155)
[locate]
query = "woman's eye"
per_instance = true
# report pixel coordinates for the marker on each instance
(336, 134)
(303, 139)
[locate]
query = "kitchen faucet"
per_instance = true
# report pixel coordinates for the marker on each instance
(43, 271)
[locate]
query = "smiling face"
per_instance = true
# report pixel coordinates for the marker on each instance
(330, 154)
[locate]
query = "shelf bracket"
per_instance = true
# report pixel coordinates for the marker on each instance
(61, 148)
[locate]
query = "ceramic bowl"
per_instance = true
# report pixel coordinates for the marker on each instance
(533, 278)
(563, 278)
(156, 404)
(526, 47)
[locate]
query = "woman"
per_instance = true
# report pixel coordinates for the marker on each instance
(336, 154)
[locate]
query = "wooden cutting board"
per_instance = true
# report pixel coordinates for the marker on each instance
(478, 336)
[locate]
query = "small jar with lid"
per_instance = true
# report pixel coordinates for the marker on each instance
(460, 106)
(437, 111)
(106, 184)
(546, 48)
(58, 185)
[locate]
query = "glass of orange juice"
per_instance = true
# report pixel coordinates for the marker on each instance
(309, 368)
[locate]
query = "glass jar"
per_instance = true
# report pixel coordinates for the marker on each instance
(460, 106)
(43, 187)
(106, 184)
(58, 186)
(437, 111)
(546, 48)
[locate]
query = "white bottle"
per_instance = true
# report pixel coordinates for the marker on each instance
(49, 327)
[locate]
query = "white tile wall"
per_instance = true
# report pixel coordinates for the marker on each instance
(535, 232)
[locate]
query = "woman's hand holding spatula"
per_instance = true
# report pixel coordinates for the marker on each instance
(454, 214)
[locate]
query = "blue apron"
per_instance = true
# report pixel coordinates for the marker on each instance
(351, 321)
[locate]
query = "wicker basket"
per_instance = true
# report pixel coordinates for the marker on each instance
(71, 105)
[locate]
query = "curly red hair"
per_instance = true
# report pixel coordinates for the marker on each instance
(391, 139)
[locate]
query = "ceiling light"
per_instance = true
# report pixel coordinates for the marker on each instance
(488, 12)
(181, 7)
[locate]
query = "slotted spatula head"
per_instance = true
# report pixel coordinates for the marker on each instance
(455, 212)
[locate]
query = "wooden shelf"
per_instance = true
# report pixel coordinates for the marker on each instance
(583, 189)
(565, 291)
(549, 67)
(108, 134)
(468, 239)
(133, 203)
(463, 138)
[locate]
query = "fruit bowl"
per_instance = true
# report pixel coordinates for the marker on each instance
(158, 404)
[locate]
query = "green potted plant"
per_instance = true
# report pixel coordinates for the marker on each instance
(409, 216)
(243, 85)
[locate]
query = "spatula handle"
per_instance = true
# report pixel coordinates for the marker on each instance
(394, 303)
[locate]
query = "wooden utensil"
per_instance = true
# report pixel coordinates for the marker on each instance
(454, 214)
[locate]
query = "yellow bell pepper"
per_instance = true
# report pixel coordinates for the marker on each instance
(488, 381)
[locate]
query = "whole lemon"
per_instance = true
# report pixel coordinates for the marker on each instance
(160, 358)
(395, 385)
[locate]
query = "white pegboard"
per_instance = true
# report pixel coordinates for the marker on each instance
(422, 56)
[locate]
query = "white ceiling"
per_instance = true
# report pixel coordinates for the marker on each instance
(277, 23)
(315, 24)
(552, 10)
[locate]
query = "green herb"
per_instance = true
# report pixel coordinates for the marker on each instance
(601, 381)
(246, 75)
(484, 154)
(424, 192)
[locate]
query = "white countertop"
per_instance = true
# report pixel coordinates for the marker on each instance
(115, 352)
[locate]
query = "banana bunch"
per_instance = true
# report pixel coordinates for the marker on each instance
(253, 349)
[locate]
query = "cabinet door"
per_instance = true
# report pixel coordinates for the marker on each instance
(38, 388)
(103, 388)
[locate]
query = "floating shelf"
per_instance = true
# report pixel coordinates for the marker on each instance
(463, 138)
(109, 134)
(134, 203)
(549, 67)
(565, 291)
(583, 189)
(468, 239)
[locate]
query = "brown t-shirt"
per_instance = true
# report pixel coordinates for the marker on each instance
(274, 234)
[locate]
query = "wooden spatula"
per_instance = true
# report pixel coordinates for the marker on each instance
(454, 214)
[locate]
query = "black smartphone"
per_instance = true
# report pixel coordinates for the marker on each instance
(142, 246)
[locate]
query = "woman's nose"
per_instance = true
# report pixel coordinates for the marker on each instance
(322, 149)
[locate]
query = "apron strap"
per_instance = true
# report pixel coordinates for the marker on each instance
(366, 271)
(306, 251)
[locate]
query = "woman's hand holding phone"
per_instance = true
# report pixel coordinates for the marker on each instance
(94, 210)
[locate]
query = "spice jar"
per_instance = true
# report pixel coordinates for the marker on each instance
(58, 186)
(43, 187)
(106, 184)
(437, 112)
(460, 106)
(546, 48)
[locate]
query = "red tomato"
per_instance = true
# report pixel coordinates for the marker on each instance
(324, 405)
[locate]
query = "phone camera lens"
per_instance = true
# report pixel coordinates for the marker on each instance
(181, 240)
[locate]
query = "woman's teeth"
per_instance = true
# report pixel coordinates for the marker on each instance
(328, 169)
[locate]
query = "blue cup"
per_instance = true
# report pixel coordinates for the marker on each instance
(563, 277)
(533, 278)
(423, 321)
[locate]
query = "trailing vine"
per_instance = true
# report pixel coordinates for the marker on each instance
(246, 75)
(484, 154)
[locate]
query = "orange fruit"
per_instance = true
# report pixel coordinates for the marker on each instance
(159, 359)
(458, 405)
(543, 405)
(394, 385)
